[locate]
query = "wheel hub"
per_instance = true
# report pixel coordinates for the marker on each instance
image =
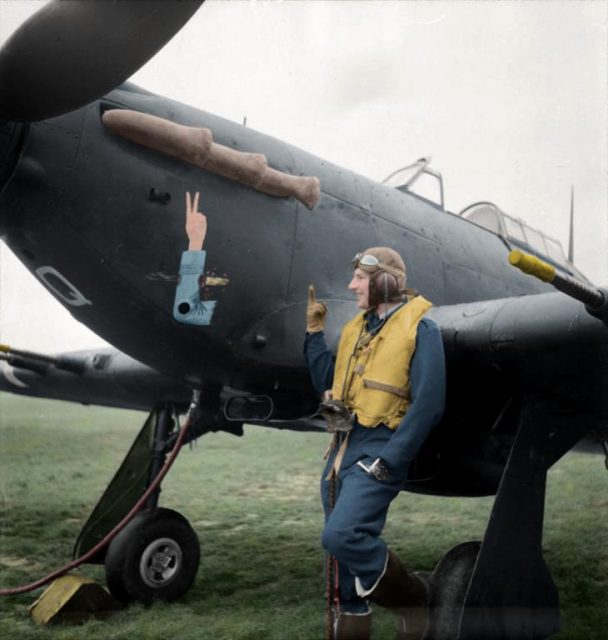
(160, 562)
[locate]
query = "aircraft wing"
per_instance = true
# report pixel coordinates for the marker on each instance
(499, 354)
(549, 342)
(110, 378)
(104, 377)
(503, 354)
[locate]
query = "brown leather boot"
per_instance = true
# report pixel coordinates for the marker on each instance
(406, 595)
(353, 626)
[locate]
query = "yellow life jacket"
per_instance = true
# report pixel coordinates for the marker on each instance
(371, 376)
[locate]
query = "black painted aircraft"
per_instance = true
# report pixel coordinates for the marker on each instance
(93, 174)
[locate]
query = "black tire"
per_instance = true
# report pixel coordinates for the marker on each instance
(450, 582)
(155, 557)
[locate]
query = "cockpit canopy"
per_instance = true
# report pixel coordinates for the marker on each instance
(421, 180)
(517, 232)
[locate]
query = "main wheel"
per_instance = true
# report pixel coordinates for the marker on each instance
(450, 583)
(155, 557)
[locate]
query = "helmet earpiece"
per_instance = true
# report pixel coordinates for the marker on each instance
(383, 287)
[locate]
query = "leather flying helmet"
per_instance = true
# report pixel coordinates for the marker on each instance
(387, 274)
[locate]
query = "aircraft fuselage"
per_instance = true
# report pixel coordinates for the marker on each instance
(100, 222)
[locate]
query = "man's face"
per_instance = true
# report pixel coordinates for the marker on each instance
(359, 285)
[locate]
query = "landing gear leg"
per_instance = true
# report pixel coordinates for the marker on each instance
(156, 556)
(511, 594)
(165, 424)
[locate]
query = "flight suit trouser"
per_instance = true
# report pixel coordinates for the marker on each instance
(352, 529)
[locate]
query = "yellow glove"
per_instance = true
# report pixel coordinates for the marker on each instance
(315, 312)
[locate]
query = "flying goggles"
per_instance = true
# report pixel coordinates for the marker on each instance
(369, 263)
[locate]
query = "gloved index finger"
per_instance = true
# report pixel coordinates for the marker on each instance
(311, 294)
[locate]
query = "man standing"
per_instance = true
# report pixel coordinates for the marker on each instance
(388, 382)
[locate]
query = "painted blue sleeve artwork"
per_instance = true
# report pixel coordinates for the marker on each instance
(188, 308)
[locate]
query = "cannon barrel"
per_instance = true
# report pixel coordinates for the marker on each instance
(594, 298)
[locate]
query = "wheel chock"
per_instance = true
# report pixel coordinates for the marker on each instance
(73, 599)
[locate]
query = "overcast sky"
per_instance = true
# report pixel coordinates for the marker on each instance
(509, 98)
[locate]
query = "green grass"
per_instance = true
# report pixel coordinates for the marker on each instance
(254, 504)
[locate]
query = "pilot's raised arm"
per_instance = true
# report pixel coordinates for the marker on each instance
(188, 308)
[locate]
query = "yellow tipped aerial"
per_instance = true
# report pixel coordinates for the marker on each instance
(532, 265)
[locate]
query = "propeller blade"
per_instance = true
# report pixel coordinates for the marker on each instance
(71, 53)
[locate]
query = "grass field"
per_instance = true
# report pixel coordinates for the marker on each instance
(253, 502)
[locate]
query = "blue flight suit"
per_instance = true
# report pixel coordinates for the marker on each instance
(352, 529)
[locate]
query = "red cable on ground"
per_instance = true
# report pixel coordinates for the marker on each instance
(115, 531)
